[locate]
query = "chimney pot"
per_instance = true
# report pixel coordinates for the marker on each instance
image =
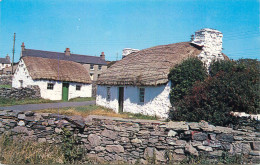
(67, 51)
(102, 55)
(23, 46)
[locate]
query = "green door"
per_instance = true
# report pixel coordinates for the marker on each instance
(65, 91)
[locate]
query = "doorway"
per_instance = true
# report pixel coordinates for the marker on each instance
(65, 91)
(121, 99)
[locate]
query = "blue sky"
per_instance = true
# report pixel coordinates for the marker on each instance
(92, 26)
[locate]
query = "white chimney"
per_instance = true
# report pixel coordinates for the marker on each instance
(127, 51)
(210, 41)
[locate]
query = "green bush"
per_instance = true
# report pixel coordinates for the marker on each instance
(183, 77)
(234, 86)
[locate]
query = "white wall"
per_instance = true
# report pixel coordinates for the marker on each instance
(22, 73)
(156, 100)
(2, 66)
(102, 94)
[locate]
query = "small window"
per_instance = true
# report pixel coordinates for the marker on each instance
(99, 67)
(141, 94)
(91, 76)
(78, 87)
(98, 75)
(108, 94)
(50, 86)
(91, 66)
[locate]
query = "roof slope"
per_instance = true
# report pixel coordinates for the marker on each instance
(149, 66)
(5, 61)
(52, 69)
(57, 55)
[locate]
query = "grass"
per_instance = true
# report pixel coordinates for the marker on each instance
(9, 102)
(28, 152)
(85, 111)
(5, 86)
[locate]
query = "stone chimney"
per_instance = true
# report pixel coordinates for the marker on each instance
(22, 46)
(67, 52)
(127, 51)
(210, 41)
(102, 55)
(7, 58)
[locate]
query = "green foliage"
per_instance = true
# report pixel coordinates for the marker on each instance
(232, 86)
(5, 86)
(70, 147)
(183, 77)
(8, 102)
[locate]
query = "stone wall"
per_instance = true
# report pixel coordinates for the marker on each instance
(31, 92)
(110, 140)
(6, 79)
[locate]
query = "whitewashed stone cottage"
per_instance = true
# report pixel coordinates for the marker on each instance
(139, 82)
(57, 79)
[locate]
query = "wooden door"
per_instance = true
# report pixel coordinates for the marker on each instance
(65, 91)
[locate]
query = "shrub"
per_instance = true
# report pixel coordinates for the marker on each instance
(183, 77)
(234, 86)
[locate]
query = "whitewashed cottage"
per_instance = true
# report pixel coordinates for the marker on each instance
(139, 82)
(57, 79)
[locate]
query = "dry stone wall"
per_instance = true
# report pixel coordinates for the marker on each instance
(110, 140)
(6, 79)
(31, 92)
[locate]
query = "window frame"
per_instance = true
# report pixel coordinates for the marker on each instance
(99, 67)
(78, 87)
(141, 95)
(91, 67)
(108, 98)
(50, 86)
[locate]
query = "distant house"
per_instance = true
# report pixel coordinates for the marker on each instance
(139, 82)
(5, 62)
(8, 70)
(57, 79)
(94, 65)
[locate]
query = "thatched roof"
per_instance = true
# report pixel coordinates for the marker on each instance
(149, 66)
(52, 69)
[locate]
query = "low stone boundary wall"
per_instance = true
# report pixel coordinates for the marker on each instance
(6, 79)
(108, 139)
(21, 93)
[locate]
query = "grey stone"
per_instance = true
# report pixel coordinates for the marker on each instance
(191, 150)
(216, 153)
(41, 140)
(178, 157)
(256, 145)
(94, 140)
(99, 148)
(179, 151)
(21, 116)
(172, 133)
(110, 134)
(160, 156)
(200, 136)
(115, 148)
(177, 126)
(148, 152)
(225, 137)
(29, 113)
(255, 153)
(58, 130)
(205, 148)
(136, 140)
(77, 120)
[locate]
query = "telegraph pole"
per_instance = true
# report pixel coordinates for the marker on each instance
(13, 56)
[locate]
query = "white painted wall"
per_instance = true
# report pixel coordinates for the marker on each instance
(22, 73)
(156, 100)
(2, 66)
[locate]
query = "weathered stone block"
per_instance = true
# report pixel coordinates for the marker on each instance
(225, 137)
(94, 140)
(200, 136)
(177, 126)
(191, 150)
(115, 148)
(110, 134)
